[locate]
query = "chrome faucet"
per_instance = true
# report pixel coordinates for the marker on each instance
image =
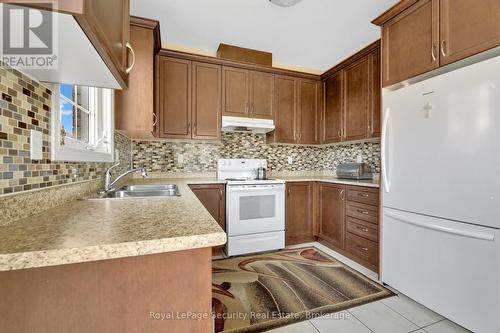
(108, 184)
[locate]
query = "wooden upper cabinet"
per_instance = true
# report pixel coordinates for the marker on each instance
(468, 27)
(331, 213)
(299, 212)
(333, 109)
(206, 103)
(235, 92)
(286, 110)
(262, 95)
(374, 114)
(411, 42)
(111, 19)
(356, 99)
(106, 30)
(134, 107)
(308, 112)
(174, 97)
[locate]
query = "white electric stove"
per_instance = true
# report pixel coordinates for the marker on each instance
(255, 209)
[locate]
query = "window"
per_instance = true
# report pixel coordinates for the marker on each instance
(82, 123)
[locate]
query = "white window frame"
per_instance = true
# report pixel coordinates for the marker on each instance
(78, 151)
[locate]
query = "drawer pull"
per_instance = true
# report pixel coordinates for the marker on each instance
(362, 212)
(363, 248)
(364, 195)
(362, 229)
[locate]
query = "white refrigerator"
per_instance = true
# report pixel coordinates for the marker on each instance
(441, 194)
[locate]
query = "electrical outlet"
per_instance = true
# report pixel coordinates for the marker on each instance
(290, 159)
(180, 158)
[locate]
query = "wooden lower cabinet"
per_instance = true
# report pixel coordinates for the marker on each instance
(299, 212)
(115, 295)
(213, 198)
(331, 213)
(348, 222)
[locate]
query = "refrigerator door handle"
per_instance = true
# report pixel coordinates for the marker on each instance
(463, 233)
(383, 153)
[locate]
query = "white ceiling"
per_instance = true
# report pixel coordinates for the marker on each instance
(313, 35)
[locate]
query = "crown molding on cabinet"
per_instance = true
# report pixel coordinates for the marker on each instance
(352, 59)
(149, 24)
(237, 64)
(393, 11)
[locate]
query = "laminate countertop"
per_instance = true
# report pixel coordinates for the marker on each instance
(89, 230)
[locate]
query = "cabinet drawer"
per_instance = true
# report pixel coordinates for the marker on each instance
(363, 212)
(367, 196)
(362, 229)
(362, 248)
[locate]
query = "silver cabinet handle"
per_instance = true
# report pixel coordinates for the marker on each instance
(433, 52)
(363, 248)
(129, 47)
(443, 46)
(364, 212)
(342, 195)
(155, 119)
(339, 133)
(364, 195)
(362, 229)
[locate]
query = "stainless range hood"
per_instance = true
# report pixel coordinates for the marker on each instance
(240, 124)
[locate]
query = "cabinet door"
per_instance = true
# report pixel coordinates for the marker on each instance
(134, 106)
(331, 213)
(308, 112)
(410, 42)
(333, 106)
(374, 114)
(174, 84)
(235, 92)
(207, 90)
(213, 199)
(299, 218)
(262, 100)
(356, 100)
(468, 27)
(107, 25)
(286, 109)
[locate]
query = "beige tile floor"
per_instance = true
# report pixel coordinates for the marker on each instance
(398, 314)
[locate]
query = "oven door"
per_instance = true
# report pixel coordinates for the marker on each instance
(252, 209)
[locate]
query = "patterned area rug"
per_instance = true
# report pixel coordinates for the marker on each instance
(261, 292)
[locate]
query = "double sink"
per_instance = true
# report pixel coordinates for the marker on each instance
(142, 191)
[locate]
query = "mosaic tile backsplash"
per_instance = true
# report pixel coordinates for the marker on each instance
(167, 156)
(25, 104)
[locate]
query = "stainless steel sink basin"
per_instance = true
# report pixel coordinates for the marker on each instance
(143, 191)
(151, 187)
